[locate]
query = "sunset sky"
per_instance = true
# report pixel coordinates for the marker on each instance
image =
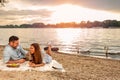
(56, 11)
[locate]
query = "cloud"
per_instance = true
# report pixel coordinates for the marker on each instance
(46, 2)
(24, 16)
(41, 12)
(28, 19)
(108, 5)
(30, 11)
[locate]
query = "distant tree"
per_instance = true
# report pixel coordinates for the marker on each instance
(38, 25)
(82, 24)
(25, 26)
(89, 24)
(114, 23)
(119, 23)
(111, 23)
(106, 23)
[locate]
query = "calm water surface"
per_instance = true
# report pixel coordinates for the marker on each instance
(69, 40)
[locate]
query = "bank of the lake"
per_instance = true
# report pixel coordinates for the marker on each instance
(77, 68)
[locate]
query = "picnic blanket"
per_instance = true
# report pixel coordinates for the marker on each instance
(25, 67)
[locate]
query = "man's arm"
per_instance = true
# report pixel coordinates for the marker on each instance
(23, 51)
(16, 61)
(6, 56)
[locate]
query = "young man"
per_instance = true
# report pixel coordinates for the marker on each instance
(13, 52)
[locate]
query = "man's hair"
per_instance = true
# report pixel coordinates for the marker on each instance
(13, 38)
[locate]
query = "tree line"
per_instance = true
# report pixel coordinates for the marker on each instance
(82, 24)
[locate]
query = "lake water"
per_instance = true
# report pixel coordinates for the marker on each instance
(69, 40)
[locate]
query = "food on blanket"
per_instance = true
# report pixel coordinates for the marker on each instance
(13, 65)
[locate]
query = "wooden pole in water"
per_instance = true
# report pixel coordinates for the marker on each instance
(78, 50)
(106, 51)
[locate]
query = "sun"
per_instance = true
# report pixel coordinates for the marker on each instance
(74, 13)
(66, 13)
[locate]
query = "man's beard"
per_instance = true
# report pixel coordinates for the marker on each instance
(14, 47)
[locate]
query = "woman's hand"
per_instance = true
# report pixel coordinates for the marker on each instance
(31, 64)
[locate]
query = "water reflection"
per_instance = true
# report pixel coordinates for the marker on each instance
(68, 39)
(68, 36)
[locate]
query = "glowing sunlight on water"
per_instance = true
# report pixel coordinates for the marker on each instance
(67, 35)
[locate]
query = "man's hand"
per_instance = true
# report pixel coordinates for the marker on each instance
(21, 61)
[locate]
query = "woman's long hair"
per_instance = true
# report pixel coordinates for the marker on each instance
(37, 53)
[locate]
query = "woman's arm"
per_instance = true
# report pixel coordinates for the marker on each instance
(31, 64)
(38, 65)
(49, 50)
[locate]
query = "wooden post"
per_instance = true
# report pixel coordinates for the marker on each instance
(78, 50)
(106, 51)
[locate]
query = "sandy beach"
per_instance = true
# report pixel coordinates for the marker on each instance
(77, 67)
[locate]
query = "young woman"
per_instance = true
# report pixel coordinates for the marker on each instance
(35, 56)
(38, 57)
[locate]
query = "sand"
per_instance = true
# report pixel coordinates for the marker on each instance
(77, 67)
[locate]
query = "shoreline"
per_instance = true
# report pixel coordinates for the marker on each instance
(80, 54)
(98, 57)
(78, 67)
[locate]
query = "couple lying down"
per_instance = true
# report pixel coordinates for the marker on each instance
(14, 53)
